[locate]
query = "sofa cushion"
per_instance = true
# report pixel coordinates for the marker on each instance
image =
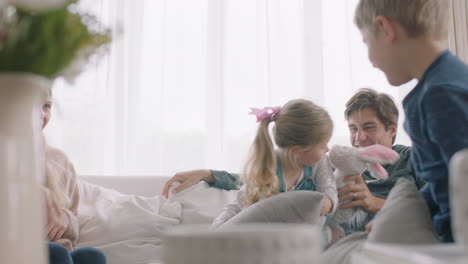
(288, 207)
(201, 204)
(404, 218)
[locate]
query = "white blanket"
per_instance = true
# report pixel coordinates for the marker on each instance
(129, 228)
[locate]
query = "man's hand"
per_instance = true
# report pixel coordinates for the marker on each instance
(326, 206)
(187, 179)
(359, 195)
(57, 219)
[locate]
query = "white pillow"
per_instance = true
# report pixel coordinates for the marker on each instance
(127, 228)
(201, 204)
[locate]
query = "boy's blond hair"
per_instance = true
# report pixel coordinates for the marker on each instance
(418, 17)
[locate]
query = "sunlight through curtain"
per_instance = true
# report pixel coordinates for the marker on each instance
(174, 91)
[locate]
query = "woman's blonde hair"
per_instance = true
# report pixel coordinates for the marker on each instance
(418, 17)
(299, 123)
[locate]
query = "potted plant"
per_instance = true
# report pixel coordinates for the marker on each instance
(40, 40)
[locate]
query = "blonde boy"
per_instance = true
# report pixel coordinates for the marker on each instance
(407, 39)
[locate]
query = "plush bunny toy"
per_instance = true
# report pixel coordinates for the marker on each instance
(352, 161)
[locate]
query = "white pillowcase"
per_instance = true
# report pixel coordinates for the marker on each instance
(127, 228)
(201, 204)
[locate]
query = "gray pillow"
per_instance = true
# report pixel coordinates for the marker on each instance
(404, 218)
(288, 207)
(341, 251)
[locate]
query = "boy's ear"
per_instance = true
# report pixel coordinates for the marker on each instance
(386, 27)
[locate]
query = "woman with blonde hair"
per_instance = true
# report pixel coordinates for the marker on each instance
(62, 197)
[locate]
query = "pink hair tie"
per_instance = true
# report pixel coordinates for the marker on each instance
(264, 113)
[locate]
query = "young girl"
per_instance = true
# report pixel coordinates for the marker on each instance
(301, 132)
(62, 196)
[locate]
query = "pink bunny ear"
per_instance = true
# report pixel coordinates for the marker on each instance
(380, 154)
(377, 171)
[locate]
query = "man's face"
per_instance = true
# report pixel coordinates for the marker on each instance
(366, 129)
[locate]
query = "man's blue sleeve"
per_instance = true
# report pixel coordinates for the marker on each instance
(225, 180)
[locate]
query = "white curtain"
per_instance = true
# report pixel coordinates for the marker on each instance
(458, 31)
(174, 91)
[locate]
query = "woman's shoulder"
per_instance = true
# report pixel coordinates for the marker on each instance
(57, 155)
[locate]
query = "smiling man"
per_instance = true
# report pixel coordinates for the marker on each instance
(373, 119)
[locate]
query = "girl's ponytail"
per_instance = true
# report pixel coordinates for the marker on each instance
(259, 174)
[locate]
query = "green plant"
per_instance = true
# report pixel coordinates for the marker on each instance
(48, 42)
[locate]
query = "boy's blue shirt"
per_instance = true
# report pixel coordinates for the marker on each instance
(437, 122)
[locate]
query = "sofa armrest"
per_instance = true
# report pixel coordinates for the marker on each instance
(139, 185)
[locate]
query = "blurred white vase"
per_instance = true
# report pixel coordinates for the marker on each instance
(22, 239)
(242, 244)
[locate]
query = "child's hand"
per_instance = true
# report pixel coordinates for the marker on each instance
(326, 206)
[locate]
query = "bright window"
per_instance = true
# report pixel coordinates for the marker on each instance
(174, 91)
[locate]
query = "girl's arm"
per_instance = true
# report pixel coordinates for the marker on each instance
(230, 210)
(325, 181)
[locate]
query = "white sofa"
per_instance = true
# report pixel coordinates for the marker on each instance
(138, 185)
(126, 221)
